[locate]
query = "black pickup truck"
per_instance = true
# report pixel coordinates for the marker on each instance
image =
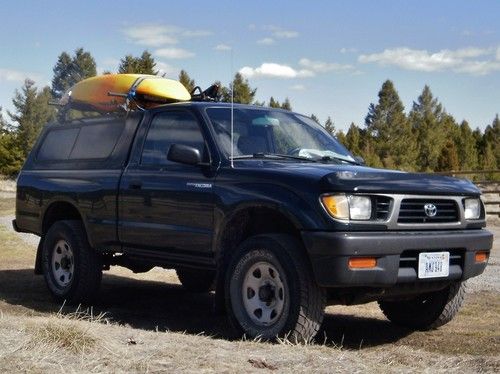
(279, 222)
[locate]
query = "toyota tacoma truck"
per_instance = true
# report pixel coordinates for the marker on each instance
(260, 205)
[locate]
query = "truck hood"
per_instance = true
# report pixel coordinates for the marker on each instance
(377, 180)
(353, 178)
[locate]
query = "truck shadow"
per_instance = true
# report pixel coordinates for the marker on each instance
(151, 305)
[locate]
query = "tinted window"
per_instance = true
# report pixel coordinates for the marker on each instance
(90, 141)
(97, 141)
(167, 129)
(58, 144)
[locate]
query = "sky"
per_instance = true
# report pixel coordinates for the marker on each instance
(329, 58)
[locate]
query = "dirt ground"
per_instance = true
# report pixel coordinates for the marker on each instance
(148, 323)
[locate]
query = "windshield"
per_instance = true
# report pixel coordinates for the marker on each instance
(268, 131)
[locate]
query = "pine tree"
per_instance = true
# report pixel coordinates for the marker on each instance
(488, 161)
(329, 126)
(286, 104)
(274, 103)
(128, 65)
(32, 113)
(186, 80)
(315, 118)
(145, 64)
(448, 158)
(70, 70)
(353, 139)
(492, 137)
(243, 93)
(367, 150)
(341, 137)
(390, 130)
(466, 147)
(426, 118)
(10, 156)
(62, 80)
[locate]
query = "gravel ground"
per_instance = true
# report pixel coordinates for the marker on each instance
(28, 238)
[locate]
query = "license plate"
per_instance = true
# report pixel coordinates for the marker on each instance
(433, 265)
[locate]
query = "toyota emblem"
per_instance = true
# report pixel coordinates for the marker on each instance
(430, 210)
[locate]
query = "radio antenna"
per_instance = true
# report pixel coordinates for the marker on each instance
(232, 111)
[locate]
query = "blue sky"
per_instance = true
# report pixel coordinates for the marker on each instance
(329, 57)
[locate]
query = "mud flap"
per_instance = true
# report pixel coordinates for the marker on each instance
(38, 260)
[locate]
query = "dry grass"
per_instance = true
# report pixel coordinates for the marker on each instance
(7, 206)
(152, 326)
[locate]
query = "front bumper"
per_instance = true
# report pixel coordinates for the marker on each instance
(395, 251)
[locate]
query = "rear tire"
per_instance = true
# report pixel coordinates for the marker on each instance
(271, 292)
(427, 311)
(196, 280)
(71, 268)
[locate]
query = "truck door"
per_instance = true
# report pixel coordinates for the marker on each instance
(166, 208)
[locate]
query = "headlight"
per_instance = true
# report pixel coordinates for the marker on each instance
(360, 207)
(472, 208)
(348, 206)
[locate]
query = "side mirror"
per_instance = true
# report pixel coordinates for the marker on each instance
(184, 154)
(360, 160)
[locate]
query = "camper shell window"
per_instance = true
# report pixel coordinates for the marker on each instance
(86, 142)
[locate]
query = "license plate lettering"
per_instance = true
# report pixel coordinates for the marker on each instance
(433, 264)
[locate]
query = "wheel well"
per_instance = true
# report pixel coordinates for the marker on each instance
(254, 221)
(59, 211)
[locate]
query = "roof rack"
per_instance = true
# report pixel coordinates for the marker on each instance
(210, 94)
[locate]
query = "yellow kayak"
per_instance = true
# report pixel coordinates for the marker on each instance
(110, 92)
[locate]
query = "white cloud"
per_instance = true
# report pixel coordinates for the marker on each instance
(273, 70)
(266, 41)
(222, 47)
(174, 53)
(280, 33)
(196, 33)
(285, 34)
(12, 75)
(298, 87)
(152, 35)
(462, 60)
(159, 35)
(323, 67)
(348, 50)
(165, 69)
(498, 54)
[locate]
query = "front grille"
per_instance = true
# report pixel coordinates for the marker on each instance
(382, 207)
(409, 258)
(412, 211)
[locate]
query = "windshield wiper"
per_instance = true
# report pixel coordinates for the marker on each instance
(273, 156)
(335, 158)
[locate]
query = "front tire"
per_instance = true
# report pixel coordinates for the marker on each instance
(271, 291)
(427, 311)
(71, 268)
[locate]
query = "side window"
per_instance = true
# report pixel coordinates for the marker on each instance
(171, 128)
(86, 142)
(58, 144)
(97, 141)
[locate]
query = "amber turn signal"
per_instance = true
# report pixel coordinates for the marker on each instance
(481, 256)
(362, 262)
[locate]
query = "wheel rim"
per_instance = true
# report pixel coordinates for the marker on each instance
(263, 292)
(63, 265)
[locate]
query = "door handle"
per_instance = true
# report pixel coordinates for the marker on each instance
(135, 185)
